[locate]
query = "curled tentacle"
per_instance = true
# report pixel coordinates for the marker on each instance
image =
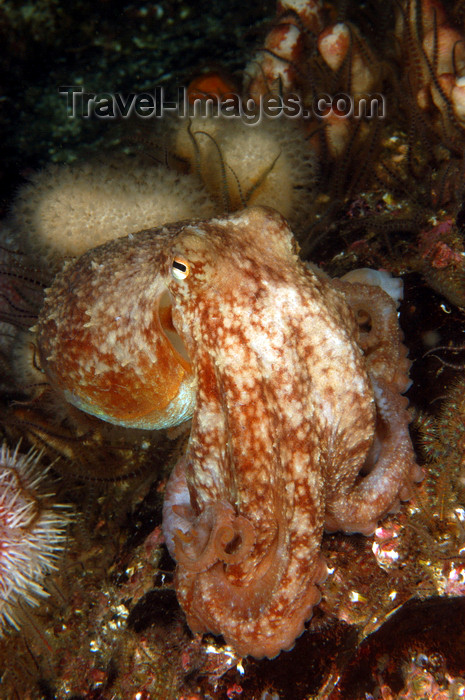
(252, 601)
(255, 605)
(380, 335)
(198, 542)
(390, 465)
(217, 534)
(212, 549)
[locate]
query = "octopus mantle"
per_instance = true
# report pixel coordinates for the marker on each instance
(293, 382)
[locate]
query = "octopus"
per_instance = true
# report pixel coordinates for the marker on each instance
(293, 382)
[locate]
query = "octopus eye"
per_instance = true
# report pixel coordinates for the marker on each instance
(180, 268)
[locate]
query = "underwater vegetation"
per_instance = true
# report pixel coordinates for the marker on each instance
(215, 385)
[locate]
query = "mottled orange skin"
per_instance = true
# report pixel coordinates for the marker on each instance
(292, 400)
(102, 340)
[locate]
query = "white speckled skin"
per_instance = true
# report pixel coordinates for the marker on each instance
(289, 407)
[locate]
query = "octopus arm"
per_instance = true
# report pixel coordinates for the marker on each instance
(259, 615)
(380, 335)
(390, 465)
(254, 583)
(259, 618)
